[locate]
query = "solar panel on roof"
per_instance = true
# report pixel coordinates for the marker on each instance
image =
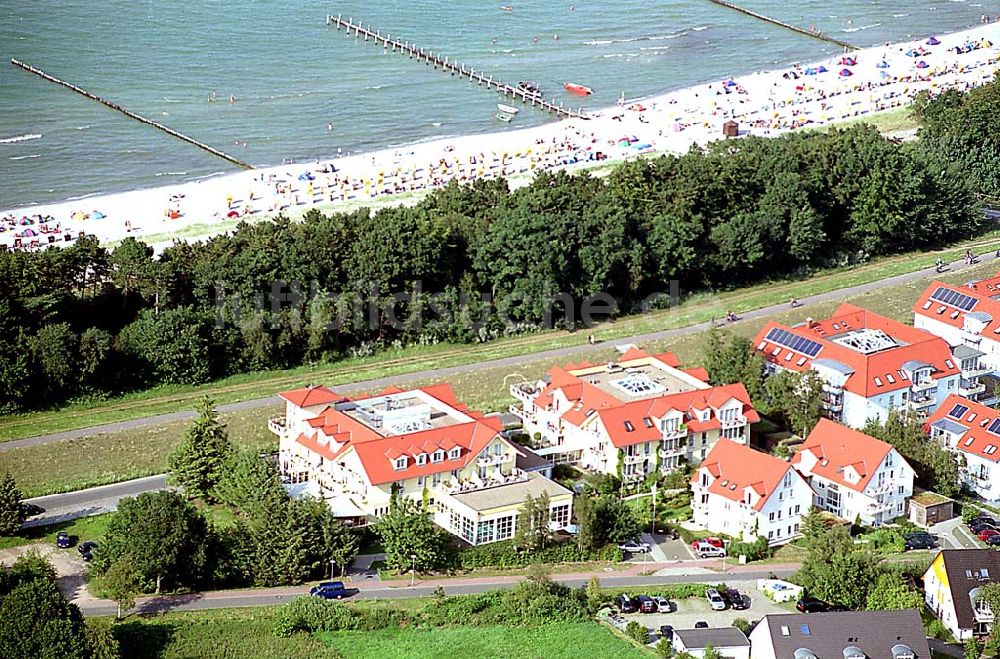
(994, 427)
(793, 342)
(958, 411)
(953, 298)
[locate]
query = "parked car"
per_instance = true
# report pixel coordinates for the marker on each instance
(981, 524)
(735, 599)
(993, 540)
(663, 605)
(811, 605)
(86, 549)
(715, 542)
(667, 632)
(987, 533)
(920, 542)
(329, 590)
(30, 510)
(706, 550)
(981, 519)
(701, 624)
(715, 600)
(626, 604)
(920, 534)
(63, 541)
(646, 604)
(634, 547)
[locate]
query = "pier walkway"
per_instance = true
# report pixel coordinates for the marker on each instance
(767, 19)
(132, 115)
(454, 68)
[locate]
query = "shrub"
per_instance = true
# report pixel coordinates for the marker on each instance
(885, 541)
(743, 625)
(664, 649)
(504, 555)
(754, 551)
(936, 629)
(312, 614)
(637, 632)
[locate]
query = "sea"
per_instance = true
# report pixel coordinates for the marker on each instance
(304, 91)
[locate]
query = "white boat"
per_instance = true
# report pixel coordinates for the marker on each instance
(506, 109)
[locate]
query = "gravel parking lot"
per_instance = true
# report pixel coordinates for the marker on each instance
(691, 610)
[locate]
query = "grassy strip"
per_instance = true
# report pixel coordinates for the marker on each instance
(698, 308)
(570, 640)
(80, 530)
(118, 456)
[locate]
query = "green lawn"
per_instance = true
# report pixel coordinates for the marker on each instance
(570, 640)
(698, 308)
(85, 528)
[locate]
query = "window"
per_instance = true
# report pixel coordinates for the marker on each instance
(455, 453)
(421, 459)
(770, 517)
(560, 515)
(797, 509)
(485, 531)
(628, 426)
(420, 481)
(505, 527)
(437, 456)
(400, 463)
(647, 422)
(770, 535)
(436, 479)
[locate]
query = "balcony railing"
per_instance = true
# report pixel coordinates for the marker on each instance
(974, 370)
(519, 412)
(919, 402)
(924, 385)
(525, 392)
(277, 425)
(636, 458)
(832, 405)
(453, 487)
(671, 452)
(733, 422)
(493, 459)
(674, 433)
(970, 389)
(833, 388)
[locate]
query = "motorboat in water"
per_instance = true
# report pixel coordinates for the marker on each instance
(530, 89)
(579, 90)
(506, 113)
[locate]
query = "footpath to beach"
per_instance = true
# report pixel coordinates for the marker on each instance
(840, 88)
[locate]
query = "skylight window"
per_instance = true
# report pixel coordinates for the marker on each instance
(958, 411)
(629, 427)
(638, 384)
(949, 363)
(890, 379)
(990, 449)
(969, 441)
(878, 381)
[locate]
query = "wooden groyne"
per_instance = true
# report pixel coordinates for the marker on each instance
(454, 68)
(132, 115)
(767, 19)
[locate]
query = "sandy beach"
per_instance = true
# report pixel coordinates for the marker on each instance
(841, 88)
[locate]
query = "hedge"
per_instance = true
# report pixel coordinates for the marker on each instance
(503, 554)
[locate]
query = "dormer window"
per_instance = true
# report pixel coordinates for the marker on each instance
(455, 453)
(421, 459)
(437, 456)
(400, 463)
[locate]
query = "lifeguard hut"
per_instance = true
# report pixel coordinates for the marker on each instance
(731, 129)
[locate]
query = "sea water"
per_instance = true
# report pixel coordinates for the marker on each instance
(304, 91)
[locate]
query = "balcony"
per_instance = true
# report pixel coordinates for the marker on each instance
(524, 392)
(833, 388)
(733, 422)
(919, 403)
(636, 458)
(277, 425)
(974, 370)
(520, 413)
(879, 507)
(674, 433)
(833, 405)
(672, 452)
(516, 476)
(924, 385)
(493, 459)
(971, 389)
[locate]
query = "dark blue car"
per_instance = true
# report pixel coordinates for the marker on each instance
(329, 590)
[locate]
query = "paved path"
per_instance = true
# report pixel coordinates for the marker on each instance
(398, 589)
(954, 534)
(516, 360)
(92, 501)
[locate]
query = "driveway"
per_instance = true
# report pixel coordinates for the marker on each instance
(954, 534)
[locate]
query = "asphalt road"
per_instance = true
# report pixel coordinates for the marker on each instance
(555, 353)
(238, 599)
(92, 501)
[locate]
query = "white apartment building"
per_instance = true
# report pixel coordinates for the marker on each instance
(853, 475)
(870, 364)
(747, 494)
(633, 417)
(971, 431)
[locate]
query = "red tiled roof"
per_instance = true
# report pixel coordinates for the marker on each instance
(697, 372)
(309, 396)
(914, 345)
(736, 467)
(972, 419)
(837, 447)
(377, 457)
(981, 291)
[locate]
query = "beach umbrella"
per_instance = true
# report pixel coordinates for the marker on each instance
(922, 64)
(811, 72)
(844, 73)
(98, 215)
(730, 83)
(822, 69)
(933, 41)
(882, 65)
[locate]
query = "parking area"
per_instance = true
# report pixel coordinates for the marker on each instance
(696, 609)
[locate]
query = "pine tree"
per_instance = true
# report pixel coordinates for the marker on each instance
(197, 462)
(11, 513)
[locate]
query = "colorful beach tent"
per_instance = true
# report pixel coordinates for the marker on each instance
(822, 69)
(848, 61)
(933, 41)
(811, 71)
(98, 215)
(912, 53)
(882, 65)
(844, 73)
(729, 83)
(922, 64)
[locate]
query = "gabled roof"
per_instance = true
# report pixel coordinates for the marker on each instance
(838, 447)
(951, 303)
(964, 568)
(867, 375)
(737, 467)
(471, 438)
(312, 395)
(974, 438)
(827, 635)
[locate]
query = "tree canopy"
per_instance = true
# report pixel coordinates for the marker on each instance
(197, 462)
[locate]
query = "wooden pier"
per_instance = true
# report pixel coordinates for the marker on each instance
(454, 68)
(131, 115)
(787, 26)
